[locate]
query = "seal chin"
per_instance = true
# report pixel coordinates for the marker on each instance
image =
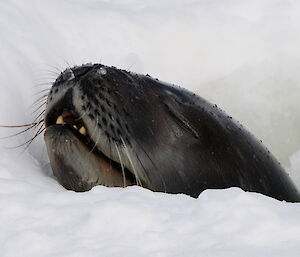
(77, 166)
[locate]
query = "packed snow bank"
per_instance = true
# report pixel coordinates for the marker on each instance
(40, 218)
(242, 55)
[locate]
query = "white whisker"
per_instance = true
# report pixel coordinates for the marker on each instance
(138, 181)
(123, 171)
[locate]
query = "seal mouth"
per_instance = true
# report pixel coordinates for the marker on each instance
(74, 123)
(107, 172)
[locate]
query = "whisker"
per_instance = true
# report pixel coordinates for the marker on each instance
(21, 132)
(41, 102)
(95, 144)
(110, 153)
(69, 66)
(40, 106)
(42, 91)
(40, 131)
(39, 116)
(79, 118)
(41, 127)
(39, 122)
(109, 145)
(138, 181)
(153, 164)
(54, 67)
(145, 173)
(122, 166)
(49, 72)
(29, 126)
(42, 84)
(40, 99)
(19, 126)
(28, 142)
(42, 79)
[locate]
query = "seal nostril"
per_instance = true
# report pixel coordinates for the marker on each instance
(81, 71)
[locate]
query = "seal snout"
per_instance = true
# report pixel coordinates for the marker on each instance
(76, 150)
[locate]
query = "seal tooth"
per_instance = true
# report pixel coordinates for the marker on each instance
(60, 120)
(82, 130)
(75, 127)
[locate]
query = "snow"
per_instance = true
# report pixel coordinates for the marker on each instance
(137, 222)
(242, 55)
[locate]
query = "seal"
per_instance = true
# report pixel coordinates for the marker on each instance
(107, 126)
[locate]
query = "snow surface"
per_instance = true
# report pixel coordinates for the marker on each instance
(242, 55)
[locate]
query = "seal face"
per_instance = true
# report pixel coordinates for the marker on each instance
(106, 126)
